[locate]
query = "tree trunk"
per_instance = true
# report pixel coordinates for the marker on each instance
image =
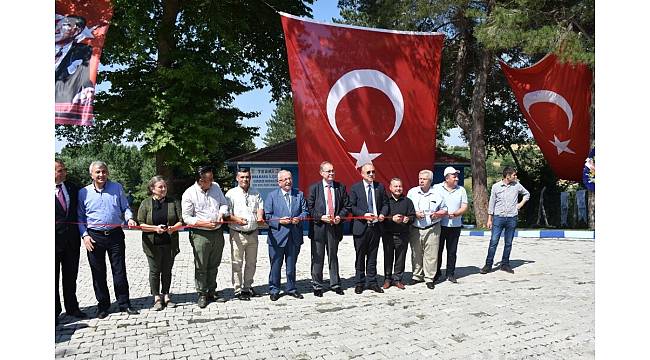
(477, 140)
(591, 199)
(166, 45)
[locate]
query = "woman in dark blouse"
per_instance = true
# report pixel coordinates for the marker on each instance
(160, 218)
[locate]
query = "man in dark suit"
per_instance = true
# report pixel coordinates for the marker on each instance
(328, 202)
(284, 208)
(67, 242)
(367, 199)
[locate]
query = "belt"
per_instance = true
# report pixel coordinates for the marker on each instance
(104, 232)
(244, 232)
(428, 227)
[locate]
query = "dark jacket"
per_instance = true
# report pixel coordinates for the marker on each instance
(359, 205)
(145, 216)
(317, 205)
(402, 206)
(65, 227)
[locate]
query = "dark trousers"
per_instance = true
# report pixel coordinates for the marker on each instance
(318, 248)
(207, 246)
(160, 269)
(395, 246)
(113, 245)
(67, 264)
(366, 247)
(288, 254)
(448, 238)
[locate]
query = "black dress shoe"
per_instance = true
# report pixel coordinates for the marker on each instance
(129, 310)
(486, 269)
(77, 313)
(376, 288)
(358, 289)
(431, 285)
(296, 294)
(102, 314)
(339, 291)
(452, 278)
(243, 296)
(415, 281)
(203, 301)
(275, 296)
(318, 292)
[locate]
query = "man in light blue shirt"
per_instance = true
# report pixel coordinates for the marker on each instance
(102, 209)
(503, 209)
(455, 198)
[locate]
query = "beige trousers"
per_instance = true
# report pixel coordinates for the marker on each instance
(424, 252)
(243, 249)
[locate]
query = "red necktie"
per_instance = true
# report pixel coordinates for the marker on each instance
(61, 198)
(330, 202)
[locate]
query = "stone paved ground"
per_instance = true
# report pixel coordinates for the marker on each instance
(544, 311)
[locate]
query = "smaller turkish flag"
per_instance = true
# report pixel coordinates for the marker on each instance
(555, 99)
(362, 96)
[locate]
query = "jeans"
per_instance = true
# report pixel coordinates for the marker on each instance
(506, 225)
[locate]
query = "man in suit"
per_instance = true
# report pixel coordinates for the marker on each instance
(66, 241)
(367, 199)
(328, 202)
(284, 208)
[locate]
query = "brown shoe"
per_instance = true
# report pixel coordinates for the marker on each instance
(386, 284)
(400, 285)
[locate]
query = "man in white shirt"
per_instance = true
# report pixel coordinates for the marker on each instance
(204, 208)
(247, 212)
(424, 239)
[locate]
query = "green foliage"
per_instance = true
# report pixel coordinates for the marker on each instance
(281, 125)
(126, 164)
(175, 68)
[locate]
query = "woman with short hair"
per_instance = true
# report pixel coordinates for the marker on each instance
(160, 219)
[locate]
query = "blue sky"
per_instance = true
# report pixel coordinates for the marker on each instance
(259, 100)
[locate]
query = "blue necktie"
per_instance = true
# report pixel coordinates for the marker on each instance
(371, 207)
(286, 198)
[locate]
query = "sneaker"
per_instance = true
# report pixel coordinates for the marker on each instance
(486, 269)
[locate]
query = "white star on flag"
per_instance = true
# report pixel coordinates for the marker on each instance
(364, 157)
(562, 146)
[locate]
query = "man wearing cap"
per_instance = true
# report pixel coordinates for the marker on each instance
(455, 197)
(204, 208)
(424, 239)
(503, 209)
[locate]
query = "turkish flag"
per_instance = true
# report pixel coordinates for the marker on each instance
(363, 95)
(555, 99)
(76, 58)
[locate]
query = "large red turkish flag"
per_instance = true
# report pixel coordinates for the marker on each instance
(363, 95)
(555, 99)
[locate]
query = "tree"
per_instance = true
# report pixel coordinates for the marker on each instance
(472, 86)
(281, 125)
(175, 68)
(127, 165)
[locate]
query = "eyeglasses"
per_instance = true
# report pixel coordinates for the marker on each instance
(370, 172)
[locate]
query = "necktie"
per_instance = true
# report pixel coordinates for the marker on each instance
(330, 201)
(371, 206)
(61, 197)
(286, 198)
